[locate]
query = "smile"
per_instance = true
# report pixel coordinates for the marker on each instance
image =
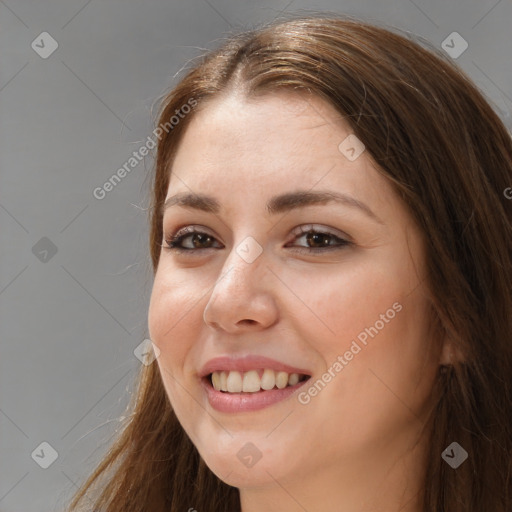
(235, 402)
(253, 381)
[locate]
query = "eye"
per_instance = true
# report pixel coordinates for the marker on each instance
(320, 241)
(195, 237)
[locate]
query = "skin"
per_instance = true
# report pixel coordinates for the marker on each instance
(357, 445)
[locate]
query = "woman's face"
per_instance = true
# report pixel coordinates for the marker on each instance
(254, 283)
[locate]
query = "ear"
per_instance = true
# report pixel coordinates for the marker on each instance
(450, 353)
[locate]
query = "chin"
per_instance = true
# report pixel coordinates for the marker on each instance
(242, 463)
(241, 476)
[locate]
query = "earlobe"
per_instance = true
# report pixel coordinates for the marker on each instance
(450, 354)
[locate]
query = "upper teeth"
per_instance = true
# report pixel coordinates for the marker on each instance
(236, 382)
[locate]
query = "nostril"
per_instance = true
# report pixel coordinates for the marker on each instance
(248, 321)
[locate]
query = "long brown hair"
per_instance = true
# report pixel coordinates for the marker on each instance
(449, 157)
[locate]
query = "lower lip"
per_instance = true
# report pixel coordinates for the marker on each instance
(242, 402)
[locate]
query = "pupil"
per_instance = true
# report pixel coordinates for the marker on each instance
(200, 238)
(314, 237)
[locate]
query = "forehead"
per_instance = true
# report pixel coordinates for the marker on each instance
(235, 124)
(272, 144)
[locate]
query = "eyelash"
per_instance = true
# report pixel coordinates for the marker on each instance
(177, 238)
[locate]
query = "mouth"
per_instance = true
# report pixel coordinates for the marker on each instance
(253, 381)
(249, 383)
(235, 392)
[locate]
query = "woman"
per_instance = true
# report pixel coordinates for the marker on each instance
(331, 308)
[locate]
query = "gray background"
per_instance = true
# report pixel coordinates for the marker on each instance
(70, 321)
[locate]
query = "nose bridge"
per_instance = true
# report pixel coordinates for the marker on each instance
(242, 268)
(239, 293)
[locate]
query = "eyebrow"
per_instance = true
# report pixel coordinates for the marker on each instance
(277, 204)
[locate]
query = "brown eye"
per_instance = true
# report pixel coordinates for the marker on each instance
(318, 241)
(198, 239)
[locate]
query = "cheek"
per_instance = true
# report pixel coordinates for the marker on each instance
(172, 315)
(382, 383)
(339, 306)
(372, 318)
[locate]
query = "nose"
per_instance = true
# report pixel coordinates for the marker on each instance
(242, 298)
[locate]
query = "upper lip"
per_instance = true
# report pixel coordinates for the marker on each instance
(246, 363)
